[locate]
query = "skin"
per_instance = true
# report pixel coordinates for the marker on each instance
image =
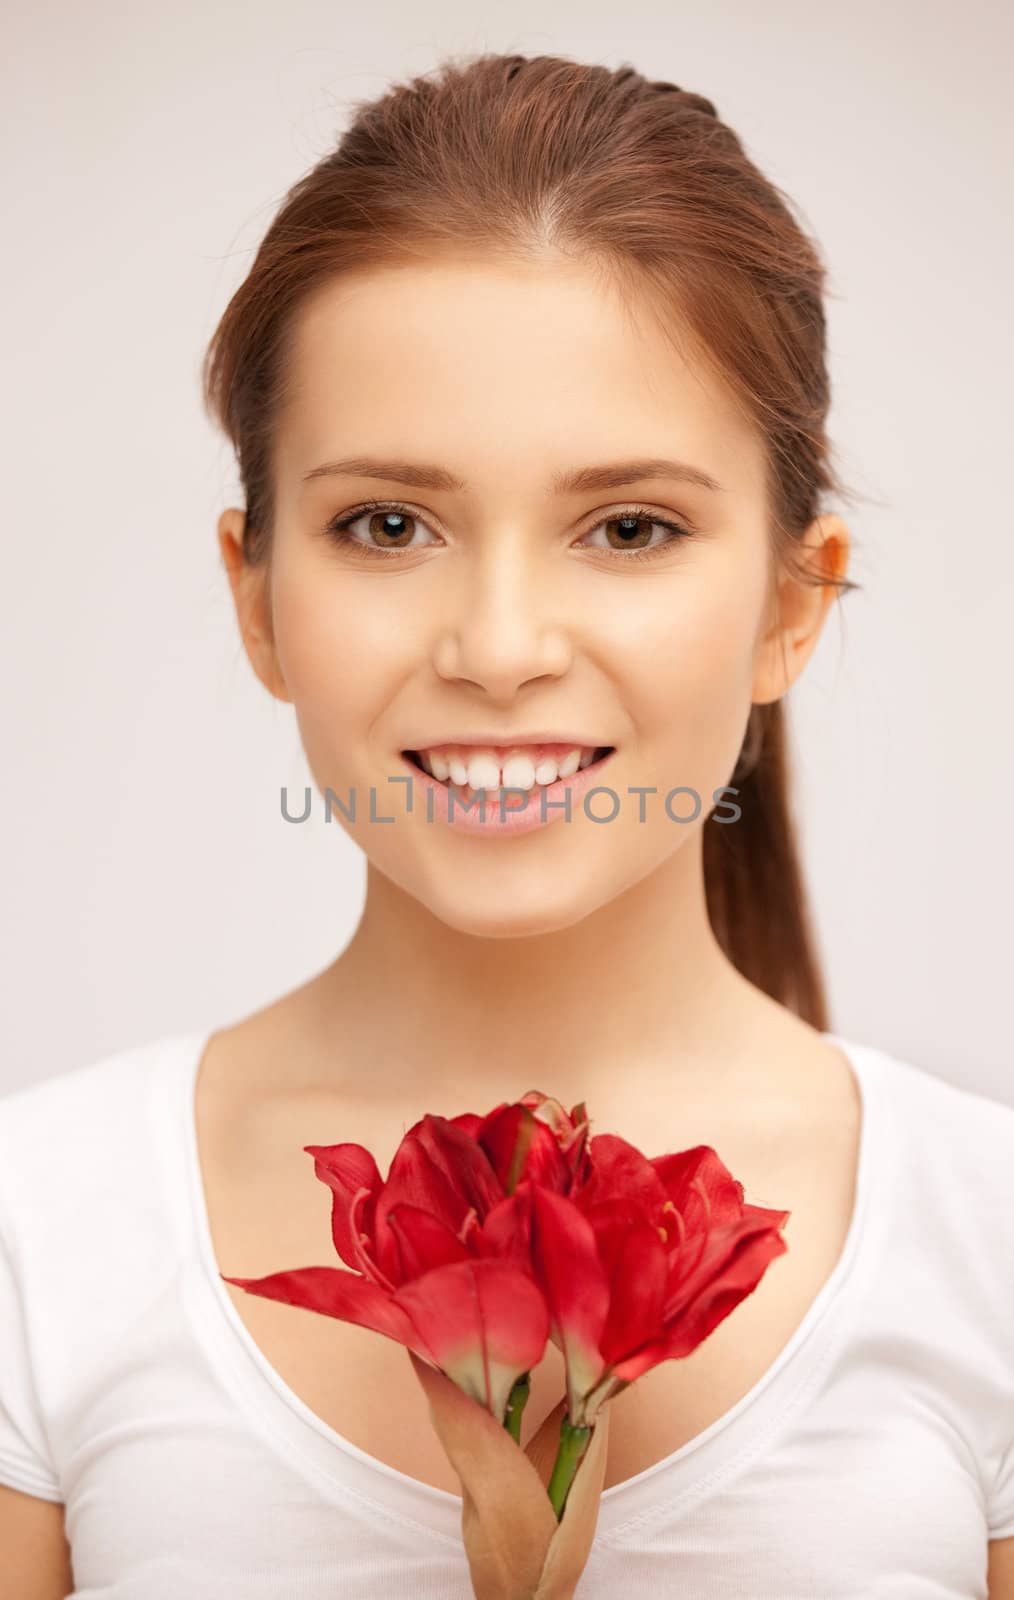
(513, 608)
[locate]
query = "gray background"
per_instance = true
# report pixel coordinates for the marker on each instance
(150, 884)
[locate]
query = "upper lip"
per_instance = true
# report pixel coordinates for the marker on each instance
(507, 741)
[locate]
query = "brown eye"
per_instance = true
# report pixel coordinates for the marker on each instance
(388, 530)
(632, 533)
(634, 530)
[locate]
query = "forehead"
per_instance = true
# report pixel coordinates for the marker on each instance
(474, 361)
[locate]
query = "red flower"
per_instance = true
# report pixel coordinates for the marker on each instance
(639, 1263)
(492, 1234)
(422, 1272)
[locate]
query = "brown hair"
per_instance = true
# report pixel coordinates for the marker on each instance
(530, 156)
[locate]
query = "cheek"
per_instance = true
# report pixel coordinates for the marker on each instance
(320, 623)
(689, 674)
(337, 656)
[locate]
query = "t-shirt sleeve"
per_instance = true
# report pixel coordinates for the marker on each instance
(1000, 1509)
(999, 1226)
(25, 1461)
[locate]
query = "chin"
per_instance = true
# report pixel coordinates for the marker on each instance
(496, 905)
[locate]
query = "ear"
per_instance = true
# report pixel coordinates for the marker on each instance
(251, 594)
(799, 609)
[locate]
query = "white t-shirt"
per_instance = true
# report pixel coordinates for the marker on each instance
(874, 1458)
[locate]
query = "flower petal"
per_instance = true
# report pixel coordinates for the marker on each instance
(486, 1323)
(346, 1168)
(718, 1251)
(469, 1121)
(618, 1169)
(414, 1179)
(463, 1160)
(423, 1241)
(339, 1294)
(507, 1231)
(457, 1158)
(637, 1283)
(738, 1278)
(700, 1186)
(571, 1129)
(567, 1268)
(520, 1146)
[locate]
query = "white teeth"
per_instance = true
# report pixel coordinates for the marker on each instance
(519, 771)
(483, 770)
(513, 769)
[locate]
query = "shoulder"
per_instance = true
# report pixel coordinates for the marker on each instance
(70, 1143)
(946, 1161)
(93, 1098)
(947, 1128)
(89, 1081)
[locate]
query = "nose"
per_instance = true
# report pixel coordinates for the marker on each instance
(504, 631)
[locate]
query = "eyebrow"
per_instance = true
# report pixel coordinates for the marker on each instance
(417, 474)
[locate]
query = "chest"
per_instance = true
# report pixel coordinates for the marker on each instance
(269, 1213)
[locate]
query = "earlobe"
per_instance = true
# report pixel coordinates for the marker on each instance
(800, 609)
(251, 596)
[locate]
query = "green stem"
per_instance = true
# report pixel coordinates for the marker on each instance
(573, 1443)
(515, 1405)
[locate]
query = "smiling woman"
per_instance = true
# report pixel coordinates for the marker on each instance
(527, 385)
(513, 578)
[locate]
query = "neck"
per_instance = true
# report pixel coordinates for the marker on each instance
(637, 995)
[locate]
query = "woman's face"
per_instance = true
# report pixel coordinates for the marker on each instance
(501, 603)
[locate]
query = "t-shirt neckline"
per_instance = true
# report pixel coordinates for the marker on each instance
(671, 1485)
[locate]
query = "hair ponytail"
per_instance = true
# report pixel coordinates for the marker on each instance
(753, 876)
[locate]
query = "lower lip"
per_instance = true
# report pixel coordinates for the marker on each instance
(517, 817)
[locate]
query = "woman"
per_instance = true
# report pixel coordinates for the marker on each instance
(527, 385)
